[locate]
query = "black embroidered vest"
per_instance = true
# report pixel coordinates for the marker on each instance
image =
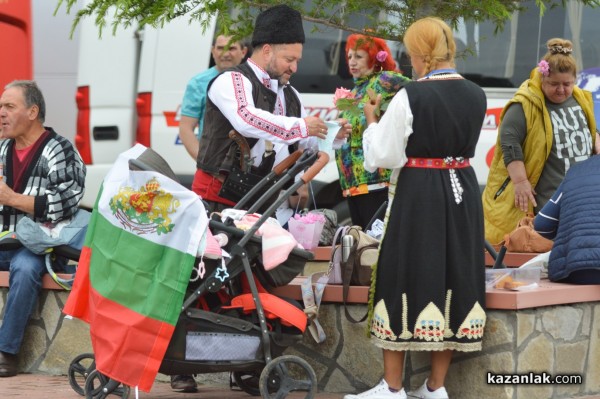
(215, 142)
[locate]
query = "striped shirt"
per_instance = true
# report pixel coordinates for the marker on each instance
(55, 177)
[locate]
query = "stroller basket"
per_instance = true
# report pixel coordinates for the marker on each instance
(215, 346)
(205, 337)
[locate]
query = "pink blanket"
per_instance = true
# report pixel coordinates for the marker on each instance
(277, 242)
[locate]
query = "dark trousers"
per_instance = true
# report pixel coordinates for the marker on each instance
(363, 207)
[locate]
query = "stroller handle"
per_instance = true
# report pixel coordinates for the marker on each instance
(287, 162)
(320, 163)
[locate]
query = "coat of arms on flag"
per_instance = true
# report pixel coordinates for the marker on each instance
(145, 210)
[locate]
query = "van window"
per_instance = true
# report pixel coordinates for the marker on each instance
(507, 58)
(323, 67)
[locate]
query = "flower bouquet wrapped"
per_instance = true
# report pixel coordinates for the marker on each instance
(307, 228)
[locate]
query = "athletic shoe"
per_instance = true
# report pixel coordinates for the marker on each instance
(380, 391)
(183, 383)
(424, 393)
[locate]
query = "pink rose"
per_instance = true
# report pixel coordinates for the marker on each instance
(341, 92)
(381, 56)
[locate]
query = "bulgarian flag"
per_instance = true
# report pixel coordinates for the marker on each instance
(138, 255)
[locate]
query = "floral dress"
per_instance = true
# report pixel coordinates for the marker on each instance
(354, 179)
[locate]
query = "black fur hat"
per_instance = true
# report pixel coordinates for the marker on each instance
(280, 24)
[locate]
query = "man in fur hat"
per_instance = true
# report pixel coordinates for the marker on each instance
(256, 99)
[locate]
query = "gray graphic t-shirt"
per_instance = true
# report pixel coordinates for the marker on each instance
(572, 142)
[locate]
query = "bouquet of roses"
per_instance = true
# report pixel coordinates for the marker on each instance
(344, 100)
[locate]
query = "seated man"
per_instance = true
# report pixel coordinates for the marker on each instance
(572, 219)
(43, 179)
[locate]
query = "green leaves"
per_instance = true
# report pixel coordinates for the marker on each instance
(387, 19)
(349, 105)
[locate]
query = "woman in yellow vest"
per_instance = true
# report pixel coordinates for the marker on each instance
(545, 128)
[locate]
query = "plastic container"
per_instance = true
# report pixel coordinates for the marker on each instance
(513, 279)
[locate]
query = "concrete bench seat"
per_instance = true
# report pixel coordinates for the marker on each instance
(511, 259)
(47, 282)
(552, 328)
(547, 294)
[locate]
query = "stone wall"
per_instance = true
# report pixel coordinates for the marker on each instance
(557, 340)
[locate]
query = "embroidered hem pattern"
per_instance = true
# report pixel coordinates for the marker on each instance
(432, 328)
(426, 346)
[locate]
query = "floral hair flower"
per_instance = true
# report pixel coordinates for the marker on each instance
(381, 56)
(544, 68)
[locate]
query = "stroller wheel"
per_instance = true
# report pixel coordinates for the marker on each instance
(248, 381)
(79, 369)
(99, 386)
(285, 374)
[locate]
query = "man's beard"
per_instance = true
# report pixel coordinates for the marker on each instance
(282, 81)
(277, 76)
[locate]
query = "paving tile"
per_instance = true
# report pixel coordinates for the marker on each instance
(43, 386)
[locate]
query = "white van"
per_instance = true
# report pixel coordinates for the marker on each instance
(130, 85)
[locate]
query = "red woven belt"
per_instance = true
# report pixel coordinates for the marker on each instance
(437, 163)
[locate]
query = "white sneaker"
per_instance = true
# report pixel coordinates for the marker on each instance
(424, 393)
(380, 391)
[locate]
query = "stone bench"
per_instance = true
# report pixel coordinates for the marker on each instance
(552, 329)
(47, 282)
(547, 294)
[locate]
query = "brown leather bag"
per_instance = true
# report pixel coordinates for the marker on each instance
(525, 239)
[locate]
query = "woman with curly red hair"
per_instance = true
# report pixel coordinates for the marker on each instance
(373, 69)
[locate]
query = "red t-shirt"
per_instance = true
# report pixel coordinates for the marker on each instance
(22, 159)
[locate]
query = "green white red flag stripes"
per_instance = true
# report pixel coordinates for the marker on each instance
(133, 272)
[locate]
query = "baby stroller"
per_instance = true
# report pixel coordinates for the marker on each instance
(238, 327)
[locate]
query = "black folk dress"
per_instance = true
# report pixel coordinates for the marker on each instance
(429, 290)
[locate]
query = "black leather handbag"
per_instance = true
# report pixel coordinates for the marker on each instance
(238, 183)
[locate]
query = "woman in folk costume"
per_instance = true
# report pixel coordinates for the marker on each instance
(428, 289)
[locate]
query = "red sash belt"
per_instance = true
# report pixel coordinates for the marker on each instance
(437, 163)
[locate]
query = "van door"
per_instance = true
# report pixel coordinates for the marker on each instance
(170, 57)
(106, 89)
